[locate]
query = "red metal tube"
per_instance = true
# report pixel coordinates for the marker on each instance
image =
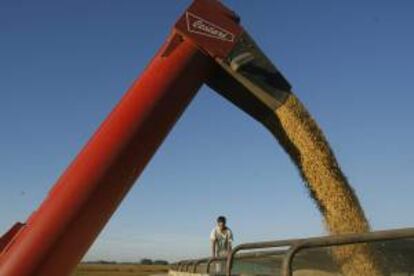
(60, 232)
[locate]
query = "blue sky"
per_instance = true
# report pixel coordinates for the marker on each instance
(64, 65)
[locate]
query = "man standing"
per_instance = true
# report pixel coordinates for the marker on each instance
(221, 240)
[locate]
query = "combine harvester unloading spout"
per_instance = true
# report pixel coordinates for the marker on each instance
(207, 45)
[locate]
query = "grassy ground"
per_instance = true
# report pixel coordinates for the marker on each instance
(119, 270)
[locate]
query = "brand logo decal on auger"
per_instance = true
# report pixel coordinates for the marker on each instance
(198, 25)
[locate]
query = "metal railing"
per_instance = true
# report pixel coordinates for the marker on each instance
(185, 265)
(251, 255)
(294, 246)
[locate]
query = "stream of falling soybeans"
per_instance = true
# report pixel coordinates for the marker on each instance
(305, 143)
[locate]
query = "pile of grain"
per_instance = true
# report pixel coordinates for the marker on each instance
(305, 143)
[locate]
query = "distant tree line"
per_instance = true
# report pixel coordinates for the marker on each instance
(146, 261)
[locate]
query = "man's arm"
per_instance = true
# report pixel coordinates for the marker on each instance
(213, 240)
(213, 248)
(230, 241)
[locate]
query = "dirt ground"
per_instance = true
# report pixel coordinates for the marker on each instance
(119, 270)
